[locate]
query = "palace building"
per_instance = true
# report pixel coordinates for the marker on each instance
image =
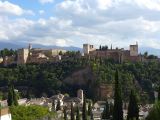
(115, 54)
(34, 55)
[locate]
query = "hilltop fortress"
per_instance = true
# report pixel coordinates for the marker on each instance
(115, 54)
(38, 55)
(34, 55)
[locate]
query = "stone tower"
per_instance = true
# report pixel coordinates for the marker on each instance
(134, 50)
(22, 56)
(87, 48)
(30, 46)
(80, 94)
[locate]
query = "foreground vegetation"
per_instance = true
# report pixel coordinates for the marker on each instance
(31, 112)
(36, 80)
(155, 112)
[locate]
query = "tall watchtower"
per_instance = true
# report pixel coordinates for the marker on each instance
(87, 48)
(134, 50)
(22, 56)
(80, 94)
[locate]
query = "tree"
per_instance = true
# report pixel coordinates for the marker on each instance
(106, 112)
(146, 54)
(133, 110)
(154, 113)
(58, 107)
(65, 113)
(159, 94)
(72, 112)
(28, 93)
(84, 112)
(117, 110)
(77, 113)
(100, 47)
(111, 107)
(15, 99)
(89, 108)
(60, 53)
(92, 117)
(31, 112)
(10, 96)
(53, 105)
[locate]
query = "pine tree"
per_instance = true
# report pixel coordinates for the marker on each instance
(65, 113)
(159, 94)
(58, 107)
(84, 112)
(10, 96)
(133, 110)
(106, 112)
(89, 108)
(77, 114)
(117, 110)
(72, 112)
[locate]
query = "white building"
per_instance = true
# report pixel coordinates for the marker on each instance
(5, 114)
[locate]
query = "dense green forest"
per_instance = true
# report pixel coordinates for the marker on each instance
(36, 80)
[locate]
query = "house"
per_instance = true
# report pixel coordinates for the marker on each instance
(5, 114)
(99, 106)
(97, 115)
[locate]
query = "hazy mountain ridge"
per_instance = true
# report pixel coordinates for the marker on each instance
(18, 46)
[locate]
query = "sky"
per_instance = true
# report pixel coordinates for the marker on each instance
(74, 22)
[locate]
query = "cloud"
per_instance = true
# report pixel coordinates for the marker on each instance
(41, 12)
(7, 8)
(74, 22)
(46, 1)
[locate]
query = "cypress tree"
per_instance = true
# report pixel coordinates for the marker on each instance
(100, 47)
(65, 113)
(53, 105)
(89, 108)
(58, 107)
(92, 117)
(117, 110)
(72, 112)
(106, 112)
(28, 93)
(77, 114)
(133, 110)
(10, 96)
(111, 106)
(15, 100)
(159, 94)
(84, 112)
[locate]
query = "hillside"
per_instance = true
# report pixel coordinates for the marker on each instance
(80, 77)
(69, 75)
